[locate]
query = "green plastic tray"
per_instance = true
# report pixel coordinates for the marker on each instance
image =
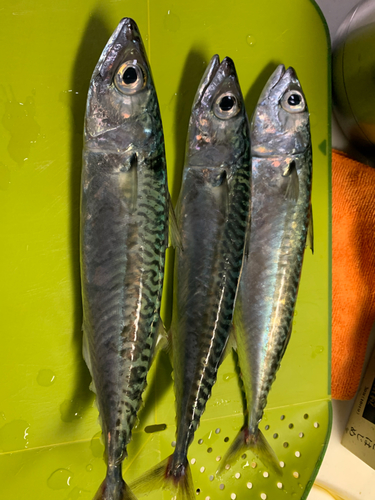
(49, 432)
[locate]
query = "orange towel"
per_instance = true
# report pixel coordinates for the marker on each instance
(353, 270)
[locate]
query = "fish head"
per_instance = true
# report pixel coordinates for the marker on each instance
(280, 124)
(121, 100)
(218, 128)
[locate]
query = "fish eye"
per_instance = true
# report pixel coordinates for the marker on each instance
(293, 101)
(130, 78)
(226, 106)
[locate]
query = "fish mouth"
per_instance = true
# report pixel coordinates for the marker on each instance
(125, 35)
(215, 72)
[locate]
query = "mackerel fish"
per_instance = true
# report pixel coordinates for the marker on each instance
(124, 233)
(212, 216)
(280, 218)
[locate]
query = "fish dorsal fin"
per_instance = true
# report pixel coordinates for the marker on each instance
(310, 230)
(292, 190)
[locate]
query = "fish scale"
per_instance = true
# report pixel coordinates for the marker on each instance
(124, 233)
(212, 215)
(280, 215)
(291, 249)
(222, 313)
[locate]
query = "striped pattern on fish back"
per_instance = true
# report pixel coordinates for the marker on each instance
(263, 318)
(123, 251)
(214, 334)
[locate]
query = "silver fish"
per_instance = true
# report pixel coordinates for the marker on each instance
(280, 216)
(212, 217)
(124, 219)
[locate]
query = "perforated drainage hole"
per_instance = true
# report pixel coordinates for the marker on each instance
(263, 496)
(237, 475)
(233, 496)
(173, 443)
(275, 436)
(296, 474)
(265, 474)
(192, 461)
(285, 444)
(198, 491)
(200, 441)
(291, 426)
(267, 427)
(207, 498)
(202, 469)
(301, 434)
(297, 454)
(227, 467)
(253, 465)
(282, 417)
(279, 485)
(218, 459)
(244, 456)
(305, 416)
(282, 464)
(211, 478)
(209, 450)
(222, 486)
(155, 428)
(316, 425)
(249, 485)
(217, 431)
(226, 439)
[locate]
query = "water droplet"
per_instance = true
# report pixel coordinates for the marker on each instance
(89, 467)
(60, 479)
(97, 448)
(14, 436)
(228, 376)
(45, 378)
(76, 493)
(70, 410)
(19, 121)
(251, 40)
(4, 177)
(171, 22)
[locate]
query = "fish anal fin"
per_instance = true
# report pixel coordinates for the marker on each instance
(174, 233)
(310, 230)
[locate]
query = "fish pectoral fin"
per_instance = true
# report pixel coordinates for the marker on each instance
(292, 190)
(129, 182)
(310, 230)
(174, 233)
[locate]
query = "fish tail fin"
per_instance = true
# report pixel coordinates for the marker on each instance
(114, 487)
(257, 444)
(169, 474)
